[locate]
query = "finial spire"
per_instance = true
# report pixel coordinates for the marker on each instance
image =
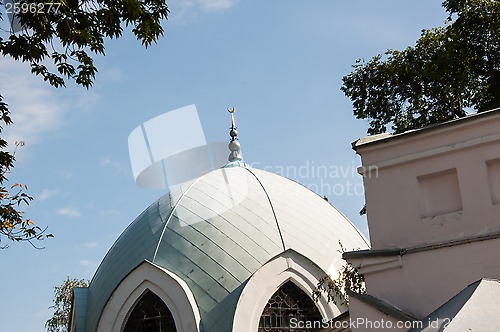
(234, 145)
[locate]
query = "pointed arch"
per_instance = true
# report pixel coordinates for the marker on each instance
(150, 313)
(288, 266)
(148, 277)
(288, 306)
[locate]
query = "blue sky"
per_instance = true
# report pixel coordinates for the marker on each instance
(280, 63)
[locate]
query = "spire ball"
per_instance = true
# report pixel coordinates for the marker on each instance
(234, 146)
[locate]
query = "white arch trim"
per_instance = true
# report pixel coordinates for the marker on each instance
(289, 265)
(172, 290)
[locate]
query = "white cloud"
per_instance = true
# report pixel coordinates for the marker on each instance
(109, 161)
(216, 5)
(66, 174)
(89, 265)
(69, 211)
(46, 194)
(188, 9)
(35, 110)
(109, 212)
(87, 262)
(87, 245)
(113, 74)
(90, 245)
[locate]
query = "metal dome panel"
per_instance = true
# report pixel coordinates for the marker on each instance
(218, 230)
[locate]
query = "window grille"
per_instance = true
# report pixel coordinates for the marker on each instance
(150, 315)
(289, 309)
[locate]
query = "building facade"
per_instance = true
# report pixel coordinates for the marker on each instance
(433, 209)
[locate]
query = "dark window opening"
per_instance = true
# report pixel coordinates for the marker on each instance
(290, 309)
(150, 314)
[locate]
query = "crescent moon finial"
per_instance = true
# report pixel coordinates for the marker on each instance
(231, 110)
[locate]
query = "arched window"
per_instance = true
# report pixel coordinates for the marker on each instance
(290, 309)
(150, 314)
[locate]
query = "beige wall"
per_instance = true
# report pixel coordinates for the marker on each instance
(365, 318)
(434, 185)
(423, 281)
(426, 191)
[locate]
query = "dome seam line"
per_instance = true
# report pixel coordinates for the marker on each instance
(170, 217)
(272, 208)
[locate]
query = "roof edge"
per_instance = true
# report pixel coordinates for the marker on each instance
(382, 306)
(386, 137)
(402, 251)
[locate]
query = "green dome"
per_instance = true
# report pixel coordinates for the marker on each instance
(218, 230)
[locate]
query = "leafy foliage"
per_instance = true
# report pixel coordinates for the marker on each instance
(69, 33)
(349, 278)
(12, 224)
(59, 39)
(62, 304)
(450, 69)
